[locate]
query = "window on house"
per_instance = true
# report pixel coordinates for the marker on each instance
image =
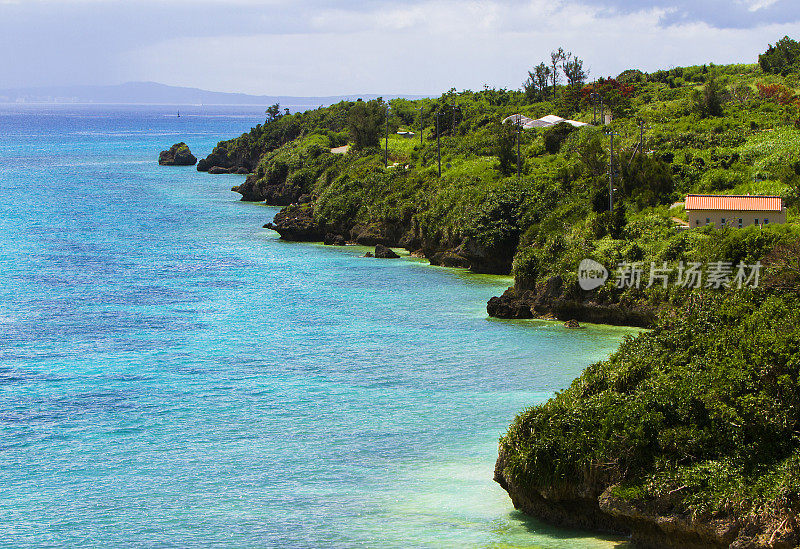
(696, 221)
(740, 222)
(755, 222)
(708, 221)
(723, 222)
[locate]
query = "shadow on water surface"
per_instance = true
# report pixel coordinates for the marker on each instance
(535, 527)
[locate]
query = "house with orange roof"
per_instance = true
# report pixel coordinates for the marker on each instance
(734, 211)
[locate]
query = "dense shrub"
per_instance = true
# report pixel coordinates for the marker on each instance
(555, 136)
(706, 404)
(782, 58)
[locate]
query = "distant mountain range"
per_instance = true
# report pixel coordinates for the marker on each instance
(152, 93)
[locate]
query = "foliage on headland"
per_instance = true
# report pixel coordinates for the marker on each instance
(696, 421)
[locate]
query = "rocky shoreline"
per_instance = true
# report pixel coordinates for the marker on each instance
(554, 299)
(651, 524)
(596, 509)
(296, 222)
(550, 300)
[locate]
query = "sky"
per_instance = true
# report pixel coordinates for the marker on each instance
(328, 47)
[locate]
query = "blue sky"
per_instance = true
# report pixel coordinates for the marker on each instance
(327, 47)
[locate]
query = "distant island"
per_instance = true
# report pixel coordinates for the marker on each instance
(152, 93)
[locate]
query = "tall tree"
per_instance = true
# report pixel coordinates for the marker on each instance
(531, 88)
(556, 57)
(782, 58)
(365, 123)
(541, 74)
(573, 70)
(535, 86)
(708, 102)
(274, 112)
(506, 144)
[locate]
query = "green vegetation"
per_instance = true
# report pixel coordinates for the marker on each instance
(782, 58)
(706, 406)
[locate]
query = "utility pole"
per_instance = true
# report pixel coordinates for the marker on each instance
(611, 175)
(602, 112)
(438, 144)
(420, 128)
(519, 157)
(594, 97)
(386, 151)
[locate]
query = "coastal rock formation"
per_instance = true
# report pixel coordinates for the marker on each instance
(332, 239)
(650, 524)
(239, 160)
(177, 155)
(509, 305)
(382, 252)
(273, 191)
(554, 299)
(572, 324)
(297, 223)
(490, 260)
(449, 258)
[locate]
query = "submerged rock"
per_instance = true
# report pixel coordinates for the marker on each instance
(177, 155)
(383, 252)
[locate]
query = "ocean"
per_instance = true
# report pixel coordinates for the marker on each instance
(174, 375)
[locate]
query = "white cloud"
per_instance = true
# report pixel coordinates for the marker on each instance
(318, 47)
(435, 45)
(755, 5)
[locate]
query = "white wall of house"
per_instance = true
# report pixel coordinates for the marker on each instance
(734, 218)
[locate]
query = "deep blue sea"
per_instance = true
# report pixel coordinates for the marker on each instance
(173, 375)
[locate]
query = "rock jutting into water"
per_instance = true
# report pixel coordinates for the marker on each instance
(332, 239)
(383, 252)
(177, 155)
(554, 299)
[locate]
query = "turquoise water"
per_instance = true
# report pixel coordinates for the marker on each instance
(172, 375)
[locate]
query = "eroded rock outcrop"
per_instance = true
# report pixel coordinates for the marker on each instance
(274, 193)
(553, 299)
(382, 252)
(297, 223)
(177, 155)
(651, 524)
(239, 160)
